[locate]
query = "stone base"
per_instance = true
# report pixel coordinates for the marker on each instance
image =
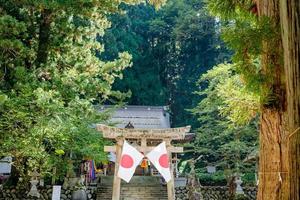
(12, 193)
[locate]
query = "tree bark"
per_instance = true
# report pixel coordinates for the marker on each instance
(273, 177)
(290, 32)
(273, 163)
(44, 37)
(279, 175)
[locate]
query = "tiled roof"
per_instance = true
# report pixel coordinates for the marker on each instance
(146, 117)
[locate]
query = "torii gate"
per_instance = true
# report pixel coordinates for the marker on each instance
(144, 135)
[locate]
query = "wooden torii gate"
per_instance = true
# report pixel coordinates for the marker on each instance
(144, 135)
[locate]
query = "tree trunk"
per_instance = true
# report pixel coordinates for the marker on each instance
(44, 37)
(290, 22)
(273, 177)
(279, 175)
(273, 161)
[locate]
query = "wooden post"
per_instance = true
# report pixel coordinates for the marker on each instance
(170, 184)
(144, 145)
(117, 180)
(53, 176)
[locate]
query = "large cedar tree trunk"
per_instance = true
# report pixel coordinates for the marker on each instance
(273, 176)
(290, 22)
(279, 133)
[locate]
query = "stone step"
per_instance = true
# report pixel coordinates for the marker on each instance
(135, 181)
(157, 192)
(139, 188)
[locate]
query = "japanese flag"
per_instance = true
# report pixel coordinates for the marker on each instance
(130, 159)
(159, 158)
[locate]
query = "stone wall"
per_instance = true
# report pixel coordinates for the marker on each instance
(207, 192)
(215, 193)
(181, 193)
(12, 193)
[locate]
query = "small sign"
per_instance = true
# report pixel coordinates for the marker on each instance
(42, 182)
(112, 157)
(5, 165)
(56, 192)
(211, 169)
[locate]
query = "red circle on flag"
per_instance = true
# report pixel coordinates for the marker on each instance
(164, 161)
(126, 161)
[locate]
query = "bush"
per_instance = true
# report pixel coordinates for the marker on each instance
(249, 179)
(216, 179)
(241, 197)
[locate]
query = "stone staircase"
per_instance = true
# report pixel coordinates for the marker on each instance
(104, 192)
(139, 188)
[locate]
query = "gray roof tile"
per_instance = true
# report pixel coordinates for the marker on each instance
(147, 117)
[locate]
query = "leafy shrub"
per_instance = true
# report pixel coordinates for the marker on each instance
(216, 179)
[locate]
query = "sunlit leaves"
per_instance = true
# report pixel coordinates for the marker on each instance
(230, 9)
(48, 112)
(227, 114)
(235, 102)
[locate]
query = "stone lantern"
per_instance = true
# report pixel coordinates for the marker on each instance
(34, 181)
(238, 182)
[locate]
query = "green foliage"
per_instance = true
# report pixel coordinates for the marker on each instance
(196, 42)
(248, 178)
(235, 92)
(227, 132)
(130, 33)
(230, 9)
(222, 176)
(171, 48)
(216, 179)
(235, 101)
(241, 197)
(50, 79)
(245, 33)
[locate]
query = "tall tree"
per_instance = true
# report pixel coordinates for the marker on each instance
(279, 134)
(130, 32)
(50, 79)
(290, 33)
(172, 49)
(227, 132)
(286, 133)
(273, 167)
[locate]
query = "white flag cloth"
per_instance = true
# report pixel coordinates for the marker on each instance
(160, 159)
(130, 159)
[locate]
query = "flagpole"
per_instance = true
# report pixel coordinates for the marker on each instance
(170, 184)
(117, 180)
